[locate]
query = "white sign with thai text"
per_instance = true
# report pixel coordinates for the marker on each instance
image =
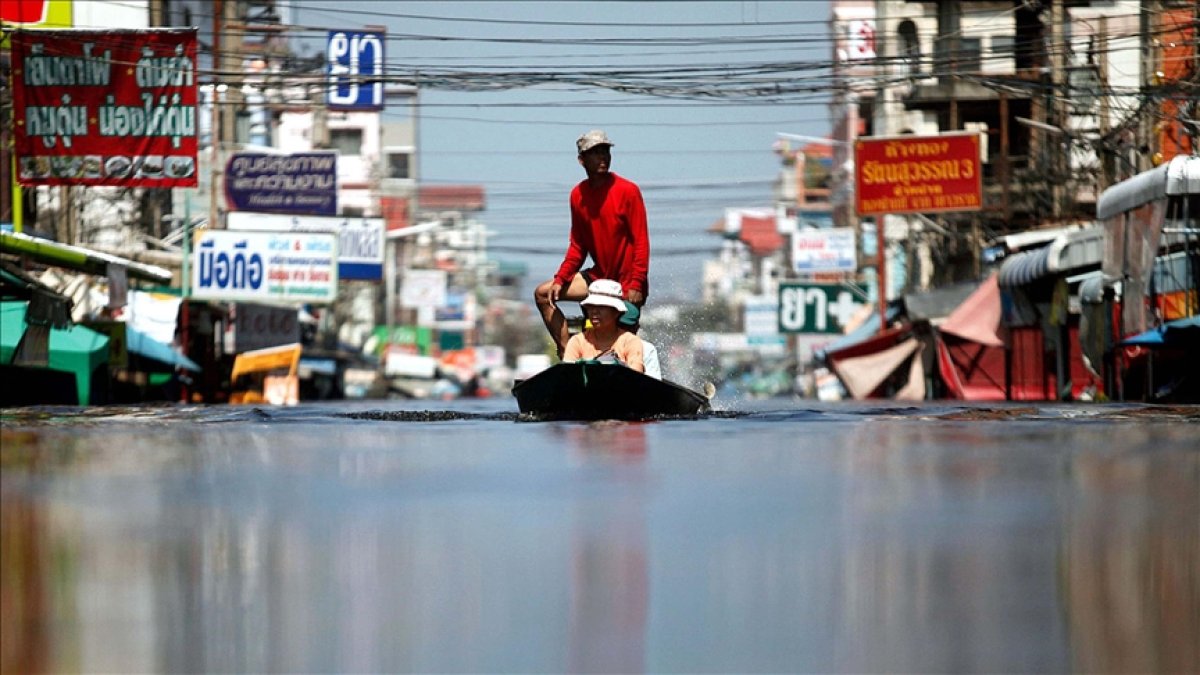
(271, 266)
(828, 250)
(360, 240)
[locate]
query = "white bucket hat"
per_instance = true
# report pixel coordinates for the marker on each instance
(605, 292)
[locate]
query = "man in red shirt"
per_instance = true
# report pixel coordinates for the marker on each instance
(608, 223)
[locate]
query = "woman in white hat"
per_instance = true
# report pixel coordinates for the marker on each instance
(603, 306)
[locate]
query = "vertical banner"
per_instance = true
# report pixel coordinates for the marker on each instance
(111, 107)
(355, 68)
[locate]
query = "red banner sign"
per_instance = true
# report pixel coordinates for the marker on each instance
(112, 107)
(917, 174)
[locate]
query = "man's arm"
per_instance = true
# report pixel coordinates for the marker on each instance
(639, 232)
(576, 254)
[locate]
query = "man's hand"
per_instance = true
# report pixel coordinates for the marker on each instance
(635, 296)
(555, 289)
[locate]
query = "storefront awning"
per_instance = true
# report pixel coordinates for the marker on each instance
(1026, 267)
(1179, 176)
(978, 317)
(862, 375)
(143, 345)
(1069, 253)
(863, 333)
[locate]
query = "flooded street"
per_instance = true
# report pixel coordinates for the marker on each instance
(773, 536)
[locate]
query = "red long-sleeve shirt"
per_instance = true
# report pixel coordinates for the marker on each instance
(608, 223)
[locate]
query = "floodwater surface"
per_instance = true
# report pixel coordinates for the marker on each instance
(781, 536)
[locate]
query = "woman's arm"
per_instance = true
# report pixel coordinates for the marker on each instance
(630, 351)
(574, 350)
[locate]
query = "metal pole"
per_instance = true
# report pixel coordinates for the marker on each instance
(881, 271)
(186, 285)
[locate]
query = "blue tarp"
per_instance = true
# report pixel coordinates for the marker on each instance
(1177, 333)
(143, 345)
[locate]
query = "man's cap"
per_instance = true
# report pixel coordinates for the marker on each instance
(632, 315)
(591, 139)
(605, 292)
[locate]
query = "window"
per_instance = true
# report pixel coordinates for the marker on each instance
(398, 165)
(1003, 45)
(969, 52)
(346, 141)
(911, 46)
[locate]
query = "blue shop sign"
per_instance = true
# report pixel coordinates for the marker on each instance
(355, 70)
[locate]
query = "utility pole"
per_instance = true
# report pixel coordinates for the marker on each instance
(227, 46)
(215, 127)
(1105, 123)
(1151, 60)
(1057, 107)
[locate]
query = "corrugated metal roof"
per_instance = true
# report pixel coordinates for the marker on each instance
(1179, 176)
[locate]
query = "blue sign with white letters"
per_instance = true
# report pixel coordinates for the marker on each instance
(355, 70)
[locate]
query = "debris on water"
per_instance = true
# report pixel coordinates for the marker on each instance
(974, 414)
(427, 416)
(1187, 412)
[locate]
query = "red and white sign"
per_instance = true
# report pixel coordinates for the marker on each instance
(112, 107)
(918, 174)
(860, 40)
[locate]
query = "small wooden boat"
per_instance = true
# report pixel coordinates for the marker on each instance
(589, 390)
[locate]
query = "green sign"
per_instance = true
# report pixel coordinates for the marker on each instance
(420, 337)
(815, 308)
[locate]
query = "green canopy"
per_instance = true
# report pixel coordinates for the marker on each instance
(76, 350)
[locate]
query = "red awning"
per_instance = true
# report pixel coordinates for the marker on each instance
(875, 343)
(977, 319)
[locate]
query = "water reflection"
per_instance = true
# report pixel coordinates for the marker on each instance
(756, 544)
(1131, 564)
(609, 572)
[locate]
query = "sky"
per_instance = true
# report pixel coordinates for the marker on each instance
(692, 158)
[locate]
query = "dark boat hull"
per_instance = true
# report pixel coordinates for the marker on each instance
(596, 391)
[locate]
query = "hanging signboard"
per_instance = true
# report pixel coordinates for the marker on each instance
(360, 240)
(263, 326)
(918, 174)
(111, 107)
(815, 308)
(829, 250)
(264, 266)
(355, 68)
(301, 183)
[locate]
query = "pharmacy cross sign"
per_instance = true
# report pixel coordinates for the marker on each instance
(815, 308)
